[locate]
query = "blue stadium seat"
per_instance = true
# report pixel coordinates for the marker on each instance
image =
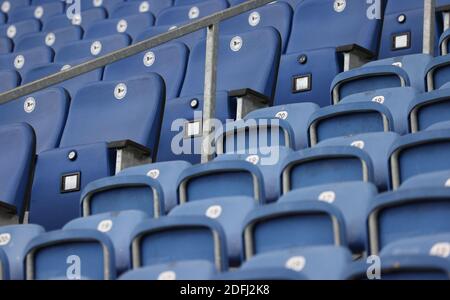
(260, 274)
(377, 146)
(23, 61)
(54, 39)
(115, 110)
(83, 20)
(315, 263)
(4, 266)
(351, 198)
(2, 18)
(275, 14)
(347, 119)
(13, 240)
(408, 267)
(19, 29)
(108, 5)
(247, 61)
(17, 157)
(221, 179)
(428, 109)
(140, 7)
(408, 213)
(290, 121)
(6, 45)
(45, 111)
(71, 255)
(396, 100)
(168, 60)
(418, 153)
(182, 270)
(230, 212)
(9, 79)
(323, 165)
(40, 12)
(313, 54)
(165, 173)
(117, 193)
(394, 72)
(281, 226)
(432, 179)
(268, 161)
(437, 73)
(175, 239)
(118, 226)
(8, 6)
(131, 25)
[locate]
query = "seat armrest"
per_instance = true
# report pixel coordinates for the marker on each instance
(129, 154)
(248, 100)
(354, 55)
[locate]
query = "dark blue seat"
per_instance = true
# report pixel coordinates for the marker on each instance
(17, 30)
(169, 61)
(83, 19)
(9, 79)
(6, 45)
(174, 239)
(405, 214)
(140, 7)
(23, 61)
(419, 153)
(351, 198)
(8, 6)
(13, 240)
(312, 58)
(323, 165)
(4, 266)
(118, 226)
(182, 270)
(230, 212)
(39, 12)
(108, 5)
(71, 255)
(114, 108)
(54, 39)
(17, 158)
(281, 226)
(432, 179)
(428, 109)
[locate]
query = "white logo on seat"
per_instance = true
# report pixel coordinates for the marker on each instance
(38, 12)
(50, 39)
(105, 226)
(153, 173)
(378, 99)
(194, 12)
(11, 31)
(254, 159)
(96, 48)
(447, 183)
(327, 196)
(254, 18)
(398, 64)
(282, 115)
(236, 43)
(358, 144)
(6, 6)
(440, 249)
(97, 3)
(144, 7)
(5, 238)
(167, 275)
(214, 211)
(19, 62)
(339, 5)
(120, 91)
(122, 26)
(76, 19)
(29, 105)
(172, 27)
(66, 67)
(149, 59)
(296, 263)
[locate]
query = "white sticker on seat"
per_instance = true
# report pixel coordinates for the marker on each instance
(144, 7)
(358, 144)
(327, 196)
(38, 12)
(296, 263)
(19, 62)
(122, 26)
(254, 159)
(282, 115)
(398, 64)
(194, 12)
(440, 249)
(149, 59)
(5, 238)
(214, 211)
(378, 99)
(172, 27)
(339, 5)
(153, 173)
(236, 43)
(11, 31)
(50, 39)
(120, 91)
(6, 6)
(167, 275)
(105, 226)
(66, 67)
(76, 19)
(97, 3)
(447, 183)
(96, 48)
(254, 18)
(29, 105)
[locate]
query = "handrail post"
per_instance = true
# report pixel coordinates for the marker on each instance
(429, 19)
(209, 100)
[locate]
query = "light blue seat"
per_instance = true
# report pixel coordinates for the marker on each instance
(54, 39)
(24, 61)
(134, 7)
(40, 12)
(432, 179)
(108, 5)
(17, 30)
(6, 45)
(9, 79)
(189, 12)
(428, 109)
(83, 20)
(8, 6)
